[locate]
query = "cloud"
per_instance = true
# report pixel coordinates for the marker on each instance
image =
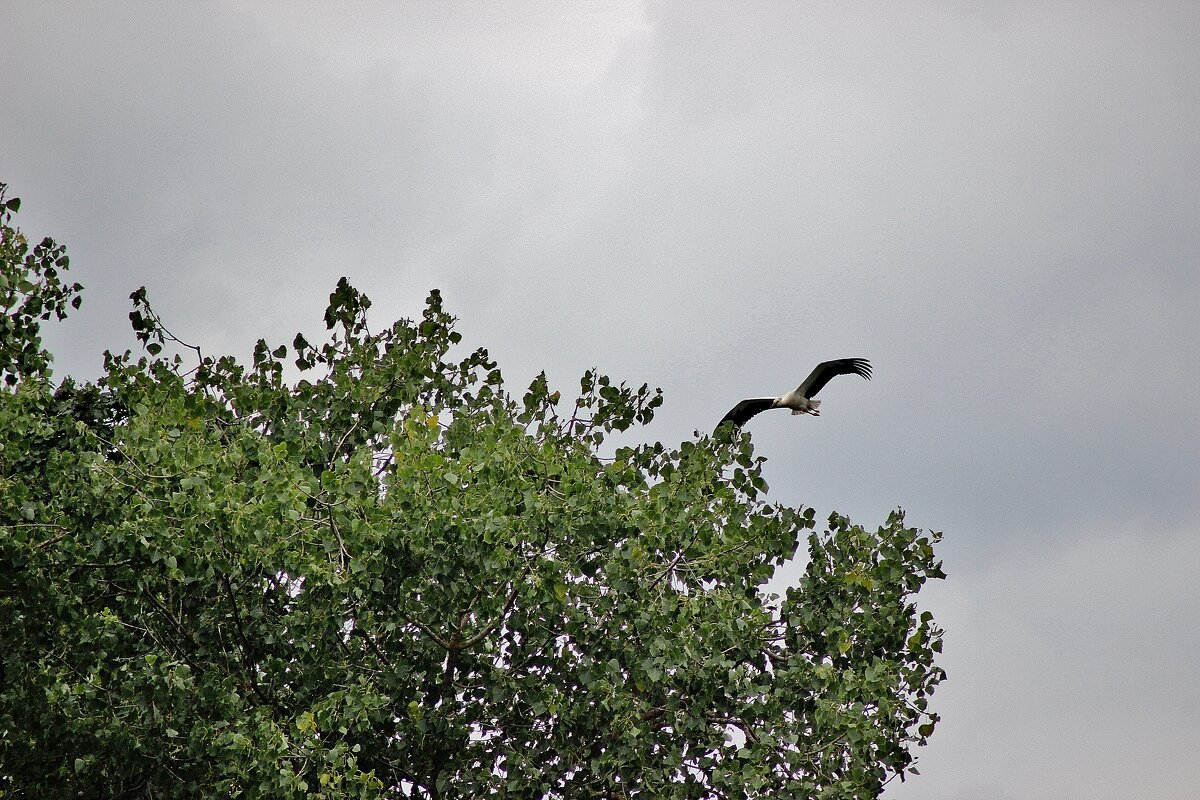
(1064, 669)
(996, 204)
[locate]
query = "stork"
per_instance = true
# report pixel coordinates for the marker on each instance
(799, 400)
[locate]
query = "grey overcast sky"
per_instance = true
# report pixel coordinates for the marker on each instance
(997, 203)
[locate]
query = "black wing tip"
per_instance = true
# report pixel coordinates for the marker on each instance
(853, 366)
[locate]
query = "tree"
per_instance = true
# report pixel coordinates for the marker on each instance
(389, 577)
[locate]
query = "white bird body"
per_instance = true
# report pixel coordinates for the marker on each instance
(799, 404)
(799, 400)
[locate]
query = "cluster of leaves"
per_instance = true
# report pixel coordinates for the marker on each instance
(31, 291)
(387, 577)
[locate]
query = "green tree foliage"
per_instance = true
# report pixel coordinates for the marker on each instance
(385, 576)
(31, 291)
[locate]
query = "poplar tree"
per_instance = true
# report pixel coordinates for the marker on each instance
(364, 568)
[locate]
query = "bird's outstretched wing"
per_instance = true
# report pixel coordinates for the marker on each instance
(745, 410)
(821, 374)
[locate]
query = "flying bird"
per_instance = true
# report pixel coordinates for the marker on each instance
(800, 400)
